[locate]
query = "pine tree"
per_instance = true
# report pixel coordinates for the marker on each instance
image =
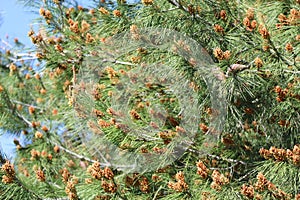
(158, 99)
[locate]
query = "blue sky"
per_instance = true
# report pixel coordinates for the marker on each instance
(15, 21)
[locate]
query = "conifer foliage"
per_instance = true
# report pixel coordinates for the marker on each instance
(101, 87)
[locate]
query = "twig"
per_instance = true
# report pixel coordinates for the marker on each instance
(287, 62)
(170, 9)
(227, 159)
(6, 43)
(218, 157)
(246, 175)
(25, 104)
(62, 16)
(23, 54)
(22, 59)
(225, 168)
(118, 62)
(178, 5)
(42, 84)
(156, 193)
(101, 155)
(24, 119)
(81, 157)
(290, 71)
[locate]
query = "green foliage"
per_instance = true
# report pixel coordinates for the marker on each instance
(62, 99)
